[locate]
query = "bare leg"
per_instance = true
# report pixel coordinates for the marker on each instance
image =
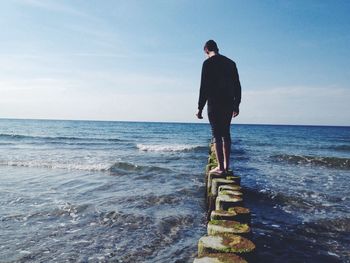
(219, 155)
(227, 152)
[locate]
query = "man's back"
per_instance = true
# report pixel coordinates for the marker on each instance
(220, 83)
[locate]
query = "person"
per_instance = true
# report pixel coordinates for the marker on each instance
(221, 89)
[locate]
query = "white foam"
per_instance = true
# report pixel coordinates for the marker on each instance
(333, 254)
(58, 165)
(166, 147)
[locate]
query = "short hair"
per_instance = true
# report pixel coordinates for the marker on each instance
(211, 46)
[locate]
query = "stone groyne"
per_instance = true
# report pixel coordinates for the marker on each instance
(228, 229)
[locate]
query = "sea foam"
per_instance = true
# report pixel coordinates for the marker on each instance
(168, 147)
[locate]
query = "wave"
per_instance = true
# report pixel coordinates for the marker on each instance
(130, 167)
(340, 224)
(116, 168)
(330, 162)
(55, 138)
(56, 165)
(343, 148)
(307, 201)
(170, 148)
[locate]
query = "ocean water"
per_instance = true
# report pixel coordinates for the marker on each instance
(90, 191)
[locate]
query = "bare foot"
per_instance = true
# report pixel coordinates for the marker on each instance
(216, 170)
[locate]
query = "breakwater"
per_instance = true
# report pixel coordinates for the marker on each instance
(229, 221)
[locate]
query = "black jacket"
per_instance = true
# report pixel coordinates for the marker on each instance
(220, 84)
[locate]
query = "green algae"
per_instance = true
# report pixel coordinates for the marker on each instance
(230, 192)
(239, 210)
(233, 226)
(232, 187)
(230, 243)
(239, 214)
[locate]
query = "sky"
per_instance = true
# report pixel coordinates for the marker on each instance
(141, 60)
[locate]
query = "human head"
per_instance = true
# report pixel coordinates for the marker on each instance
(211, 45)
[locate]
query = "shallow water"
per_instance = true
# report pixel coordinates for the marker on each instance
(82, 191)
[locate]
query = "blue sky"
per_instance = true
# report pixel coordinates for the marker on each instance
(141, 60)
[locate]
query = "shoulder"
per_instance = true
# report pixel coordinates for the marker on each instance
(208, 63)
(228, 60)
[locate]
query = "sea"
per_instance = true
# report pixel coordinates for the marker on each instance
(109, 191)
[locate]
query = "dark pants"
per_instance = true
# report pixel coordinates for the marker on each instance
(220, 120)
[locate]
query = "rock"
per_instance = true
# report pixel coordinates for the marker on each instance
(216, 227)
(212, 176)
(211, 148)
(230, 192)
(219, 258)
(216, 182)
(226, 243)
(232, 187)
(211, 200)
(237, 179)
(239, 214)
(212, 159)
(224, 202)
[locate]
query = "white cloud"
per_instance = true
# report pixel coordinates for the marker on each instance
(94, 94)
(145, 97)
(297, 105)
(64, 104)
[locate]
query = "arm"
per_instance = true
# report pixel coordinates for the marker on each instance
(203, 88)
(237, 92)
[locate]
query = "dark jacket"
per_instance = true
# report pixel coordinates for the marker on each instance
(220, 84)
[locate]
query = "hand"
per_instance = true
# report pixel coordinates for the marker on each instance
(199, 114)
(235, 114)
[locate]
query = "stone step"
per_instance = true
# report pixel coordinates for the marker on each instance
(228, 225)
(239, 214)
(235, 178)
(232, 187)
(224, 202)
(211, 177)
(216, 227)
(220, 258)
(226, 243)
(231, 192)
(216, 182)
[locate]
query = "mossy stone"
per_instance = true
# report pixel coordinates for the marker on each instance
(229, 173)
(232, 187)
(216, 227)
(212, 160)
(216, 182)
(212, 176)
(235, 178)
(239, 210)
(210, 204)
(224, 202)
(239, 214)
(225, 243)
(230, 192)
(210, 166)
(212, 148)
(220, 258)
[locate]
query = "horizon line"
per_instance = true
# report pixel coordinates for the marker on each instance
(174, 122)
